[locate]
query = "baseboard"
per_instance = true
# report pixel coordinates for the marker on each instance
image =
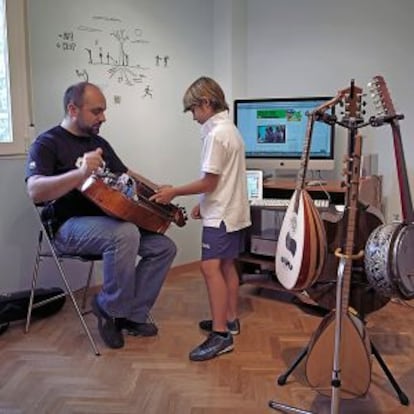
(182, 269)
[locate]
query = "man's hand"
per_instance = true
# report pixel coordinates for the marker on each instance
(164, 194)
(91, 162)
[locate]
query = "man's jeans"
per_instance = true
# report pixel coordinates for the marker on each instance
(129, 289)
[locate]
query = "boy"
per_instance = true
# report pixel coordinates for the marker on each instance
(223, 208)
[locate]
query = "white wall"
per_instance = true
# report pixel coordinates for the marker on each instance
(255, 48)
(298, 48)
(17, 227)
(152, 135)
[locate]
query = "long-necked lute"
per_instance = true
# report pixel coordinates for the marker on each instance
(339, 352)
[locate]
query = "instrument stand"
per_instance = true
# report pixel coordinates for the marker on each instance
(282, 379)
(352, 123)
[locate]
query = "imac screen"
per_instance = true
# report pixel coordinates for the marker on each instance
(275, 129)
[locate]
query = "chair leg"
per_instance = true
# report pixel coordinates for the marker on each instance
(87, 286)
(72, 297)
(34, 281)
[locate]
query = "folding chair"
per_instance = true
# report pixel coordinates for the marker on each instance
(58, 257)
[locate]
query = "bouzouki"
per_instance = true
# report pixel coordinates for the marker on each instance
(103, 190)
(389, 260)
(355, 361)
(301, 247)
(339, 354)
(363, 297)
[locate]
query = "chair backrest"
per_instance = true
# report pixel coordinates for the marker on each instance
(47, 230)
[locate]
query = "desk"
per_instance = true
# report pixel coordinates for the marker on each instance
(283, 188)
(257, 269)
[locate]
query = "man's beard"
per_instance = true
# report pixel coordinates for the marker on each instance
(92, 129)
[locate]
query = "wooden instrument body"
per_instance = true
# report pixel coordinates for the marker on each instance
(301, 248)
(364, 298)
(146, 214)
(355, 346)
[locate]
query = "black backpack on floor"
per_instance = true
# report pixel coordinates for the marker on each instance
(13, 306)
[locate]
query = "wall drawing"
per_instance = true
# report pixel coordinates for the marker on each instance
(82, 74)
(66, 41)
(106, 48)
(161, 60)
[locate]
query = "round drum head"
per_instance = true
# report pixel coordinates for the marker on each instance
(403, 261)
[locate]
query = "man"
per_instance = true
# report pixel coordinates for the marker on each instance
(59, 162)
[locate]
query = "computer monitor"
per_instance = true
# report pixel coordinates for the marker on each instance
(274, 130)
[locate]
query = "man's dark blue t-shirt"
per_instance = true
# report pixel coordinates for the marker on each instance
(57, 151)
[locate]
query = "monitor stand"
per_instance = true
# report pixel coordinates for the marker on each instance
(291, 175)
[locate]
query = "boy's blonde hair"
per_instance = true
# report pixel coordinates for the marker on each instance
(205, 88)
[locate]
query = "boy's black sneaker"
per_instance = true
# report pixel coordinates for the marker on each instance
(213, 346)
(232, 326)
(109, 327)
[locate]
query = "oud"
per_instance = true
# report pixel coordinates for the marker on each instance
(301, 249)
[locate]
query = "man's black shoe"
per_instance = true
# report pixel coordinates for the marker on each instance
(139, 328)
(109, 327)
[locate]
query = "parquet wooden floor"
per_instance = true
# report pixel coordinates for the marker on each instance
(53, 370)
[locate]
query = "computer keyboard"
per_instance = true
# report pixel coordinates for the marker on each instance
(321, 203)
(284, 202)
(270, 202)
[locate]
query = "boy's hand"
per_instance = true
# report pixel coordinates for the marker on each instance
(163, 195)
(195, 212)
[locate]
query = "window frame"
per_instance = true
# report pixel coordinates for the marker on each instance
(19, 78)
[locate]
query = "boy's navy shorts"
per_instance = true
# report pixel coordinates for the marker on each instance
(216, 243)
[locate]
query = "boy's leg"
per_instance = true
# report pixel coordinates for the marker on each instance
(219, 250)
(220, 340)
(231, 279)
(217, 293)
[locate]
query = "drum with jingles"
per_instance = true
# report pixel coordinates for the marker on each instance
(389, 260)
(389, 251)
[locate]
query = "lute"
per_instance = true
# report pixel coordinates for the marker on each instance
(352, 352)
(355, 360)
(301, 247)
